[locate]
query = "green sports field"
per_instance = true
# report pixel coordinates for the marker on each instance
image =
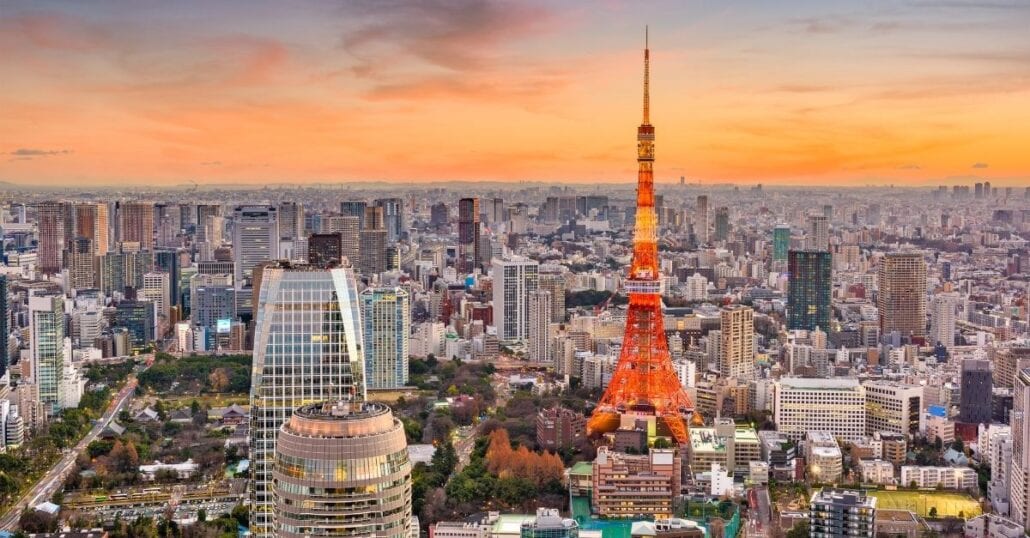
(948, 503)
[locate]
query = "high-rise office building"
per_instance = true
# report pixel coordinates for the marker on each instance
(203, 226)
(737, 346)
(555, 284)
(514, 278)
(836, 405)
(91, 222)
(539, 325)
(5, 326)
(818, 237)
(893, 407)
(349, 228)
(901, 298)
(781, 242)
(81, 263)
(354, 208)
(386, 321)
(372, 248)
(291, 221)
(168, 261)
(722, 223)
(393, 217)
(324, 249)
(212, 302)
(136, 223)
(975, 392)
(157, 288)
(842, 514)
(50, 222)
(348, 463)
(322, 306)
(942, 319)
(255, 238)
(468, 234)
(167, 225)
(439, 215)
(809, 289)
(498, 213)
(47, 349)
(701, 226)
(140, 319)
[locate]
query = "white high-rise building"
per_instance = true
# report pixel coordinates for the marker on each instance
(697, 287)
(156, 289)
(307, 348)
(255, 238)
(893, 407)
(942, 319)
(836, 405)
(514, 278)
(540, 303)
(818, 233)
(1000, 458)
(46, 348)
(386, 325)
(1019, 481)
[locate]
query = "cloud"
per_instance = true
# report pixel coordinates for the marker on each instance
(32, 152)
(979, 165)
(910, 167)
(211, 163)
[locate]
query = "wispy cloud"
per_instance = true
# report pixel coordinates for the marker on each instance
(979, 165)
(34, 152)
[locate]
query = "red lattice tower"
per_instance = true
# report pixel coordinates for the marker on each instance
(644, 381)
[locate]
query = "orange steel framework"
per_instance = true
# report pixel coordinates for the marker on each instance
(644, 381)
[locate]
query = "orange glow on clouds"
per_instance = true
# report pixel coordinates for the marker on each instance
(794, 92)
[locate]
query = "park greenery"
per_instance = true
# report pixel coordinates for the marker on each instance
(197, 374)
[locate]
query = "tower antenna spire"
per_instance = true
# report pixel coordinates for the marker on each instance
(647, 78)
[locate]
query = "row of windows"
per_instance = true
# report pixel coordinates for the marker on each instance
(340, 470)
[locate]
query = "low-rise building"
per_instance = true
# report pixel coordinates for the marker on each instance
(619, 479)
(842, 514)
(825, 460)
(899, 523)
(559, 428)
(877, 472)
(993, 526)
(944, 477)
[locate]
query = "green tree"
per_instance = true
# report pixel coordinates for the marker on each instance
(801, 529)
(933, 512)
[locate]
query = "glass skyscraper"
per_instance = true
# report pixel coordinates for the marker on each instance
(810, 283)
(781, 242)
(307, 349)
(46, 331)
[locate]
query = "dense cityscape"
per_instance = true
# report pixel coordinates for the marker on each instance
(658, 358)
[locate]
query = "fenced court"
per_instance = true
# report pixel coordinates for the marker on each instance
(948, 503)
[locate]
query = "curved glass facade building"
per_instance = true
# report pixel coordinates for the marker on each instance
(307, 349)
(342, 469)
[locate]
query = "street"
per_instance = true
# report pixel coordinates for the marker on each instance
(464, 445)
(761, 511)
(54, 479)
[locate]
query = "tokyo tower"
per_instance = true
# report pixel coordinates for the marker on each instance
(644, 383)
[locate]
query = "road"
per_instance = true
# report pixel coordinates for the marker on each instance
(54, 479)
(761, 511)
(464, 445)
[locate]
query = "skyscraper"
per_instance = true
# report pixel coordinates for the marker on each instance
(644, 380)
(555, 284)
(514, 278)
(324, 250)
(701, 226)
(46, 348)
(91, 222)
(354, 208)
(1019, 484)
(393, 217)
(781, 242)
(255, 238)
(468, 234)
(291, 221)
(942, 319)
(386, 320)
(349, 228)
(722, 223)
(818, 233)
(140, 319)
(348, 463)
(5, 323)
(901, 298)
(975, 392)
(50, 222)
(810, 284)
(136, 223)
(168, 262)
(81, 263)
(372, 248)
(307, 348)
(539, 325)
(737, 346)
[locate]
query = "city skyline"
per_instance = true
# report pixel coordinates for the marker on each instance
(920, 93)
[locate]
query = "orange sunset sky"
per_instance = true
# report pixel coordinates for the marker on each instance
(792, 92)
